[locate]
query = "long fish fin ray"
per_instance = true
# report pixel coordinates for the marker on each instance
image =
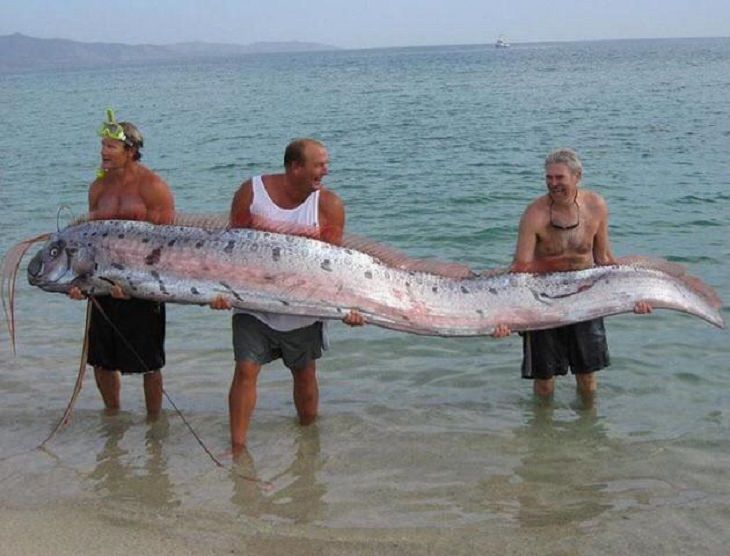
(205, 221)
(399, 260)
(8, 276)
(655, 263)
(677, 271)
(81, 219)
(213, 221)
(492, 272)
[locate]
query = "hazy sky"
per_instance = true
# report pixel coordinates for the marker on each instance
(362, 24)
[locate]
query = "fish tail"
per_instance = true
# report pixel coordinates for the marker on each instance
(679, 272)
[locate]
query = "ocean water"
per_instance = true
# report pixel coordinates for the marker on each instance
(424, 445)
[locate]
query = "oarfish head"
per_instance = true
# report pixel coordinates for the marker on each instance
(59, 265)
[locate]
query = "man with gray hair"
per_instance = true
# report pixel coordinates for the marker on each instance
(565, 229)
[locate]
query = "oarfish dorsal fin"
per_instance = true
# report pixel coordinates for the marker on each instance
(384, 253)
(397, 259)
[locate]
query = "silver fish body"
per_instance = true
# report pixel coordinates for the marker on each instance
(279, 273)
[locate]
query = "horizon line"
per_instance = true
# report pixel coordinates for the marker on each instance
(334, 46)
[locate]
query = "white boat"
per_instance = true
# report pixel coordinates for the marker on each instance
(501, 43)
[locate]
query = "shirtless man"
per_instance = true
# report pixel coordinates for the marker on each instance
(127, 190)
(565, 229)
(292, 202)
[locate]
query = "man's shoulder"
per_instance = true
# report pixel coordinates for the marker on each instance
(269, 180)
(538, 205)
(591, 194)
(151, 179)
(328, 198)
(593, 199)
(96, 184)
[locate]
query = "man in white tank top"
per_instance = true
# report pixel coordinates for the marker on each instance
(293, 202)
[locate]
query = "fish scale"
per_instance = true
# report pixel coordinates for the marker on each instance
(279, 273)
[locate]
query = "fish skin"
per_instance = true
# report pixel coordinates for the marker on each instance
(266, 271)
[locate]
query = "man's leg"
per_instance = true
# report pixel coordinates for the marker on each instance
(306, 392)
(544, 388)
(587, 384)
(242, 402)
(109, 385)
(153, 392)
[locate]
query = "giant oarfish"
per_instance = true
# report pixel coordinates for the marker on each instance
(289, 274)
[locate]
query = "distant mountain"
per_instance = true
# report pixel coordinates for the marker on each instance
(20, 52)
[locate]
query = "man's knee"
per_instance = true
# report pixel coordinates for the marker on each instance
(305, 375)
(153, 378)
(543, 388)
(586, 383)
(245, 374)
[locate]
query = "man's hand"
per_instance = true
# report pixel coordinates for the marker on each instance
(642, 308)
(76, 293)
(501, 331)
(353, 318)
(118, 293)
(221, 303)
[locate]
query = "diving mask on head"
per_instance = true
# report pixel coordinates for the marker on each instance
(112, 129)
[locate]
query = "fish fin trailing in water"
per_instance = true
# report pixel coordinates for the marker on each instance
(677, 271)
(63, 421)
(8, 276)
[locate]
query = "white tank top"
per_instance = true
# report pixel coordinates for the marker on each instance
(306, 214)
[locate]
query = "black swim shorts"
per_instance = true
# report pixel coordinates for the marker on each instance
(582, 347)
(256, 341)
(134, 341)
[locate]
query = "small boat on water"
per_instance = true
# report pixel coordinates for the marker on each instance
(501, 43)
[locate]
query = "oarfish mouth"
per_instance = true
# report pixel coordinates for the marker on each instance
(35, 269)
(51, 268)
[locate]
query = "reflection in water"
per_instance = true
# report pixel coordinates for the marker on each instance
(300, 500)
(560, 472)
(124, 474)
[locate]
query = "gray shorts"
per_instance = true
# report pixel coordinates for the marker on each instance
(255, 341)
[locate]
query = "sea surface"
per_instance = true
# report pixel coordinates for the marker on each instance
(424, 445)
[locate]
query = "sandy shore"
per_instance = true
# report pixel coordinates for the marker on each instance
(86, 530)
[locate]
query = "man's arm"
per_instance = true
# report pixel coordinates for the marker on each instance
(331, 230)
(95, 190)
(602, 254)
(241, 206)
(524, 259)
(526, 243)
(159, 201)
(331, 217)
(240, 217)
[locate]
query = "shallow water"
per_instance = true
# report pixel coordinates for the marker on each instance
(424, 445)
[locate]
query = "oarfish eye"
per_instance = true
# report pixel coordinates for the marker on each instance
(54, 251)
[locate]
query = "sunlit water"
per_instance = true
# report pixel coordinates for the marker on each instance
(424, 445)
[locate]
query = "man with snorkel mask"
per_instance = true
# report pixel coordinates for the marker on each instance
(127, 335)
